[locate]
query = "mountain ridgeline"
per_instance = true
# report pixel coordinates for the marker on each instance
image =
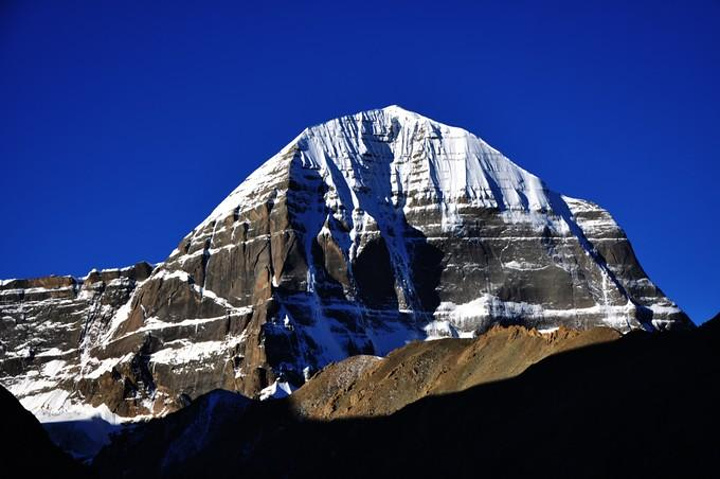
(363, 234)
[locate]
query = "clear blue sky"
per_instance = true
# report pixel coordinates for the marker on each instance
(122, 124)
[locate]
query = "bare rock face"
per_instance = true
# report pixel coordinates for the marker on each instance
(46, 326)
(362, 234)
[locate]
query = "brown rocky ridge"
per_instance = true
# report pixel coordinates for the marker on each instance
(363, 386)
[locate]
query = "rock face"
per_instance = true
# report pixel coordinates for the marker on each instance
(362, 234)
(47, 325)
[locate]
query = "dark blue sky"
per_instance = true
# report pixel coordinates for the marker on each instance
(122, 124)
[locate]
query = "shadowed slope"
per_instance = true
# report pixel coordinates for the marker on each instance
(27, 450)
(645, 405)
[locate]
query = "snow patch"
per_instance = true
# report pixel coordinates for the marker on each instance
(277, 390)
(547, 330)
(523, 266)
(194, 351)
(55, 352)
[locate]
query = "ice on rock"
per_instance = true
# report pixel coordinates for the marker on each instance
(277, 390)
(455, 165)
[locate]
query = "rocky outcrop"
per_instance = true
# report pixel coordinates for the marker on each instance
(362, 234)
(47, 325)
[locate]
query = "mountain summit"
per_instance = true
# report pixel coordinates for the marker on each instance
(362, 234)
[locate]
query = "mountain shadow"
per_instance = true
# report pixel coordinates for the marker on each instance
(26, 449)
(645, 405)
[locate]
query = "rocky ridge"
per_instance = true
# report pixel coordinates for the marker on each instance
(366, 386)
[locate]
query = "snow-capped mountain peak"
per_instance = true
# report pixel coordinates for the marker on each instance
(403, 158)
(363, 233)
